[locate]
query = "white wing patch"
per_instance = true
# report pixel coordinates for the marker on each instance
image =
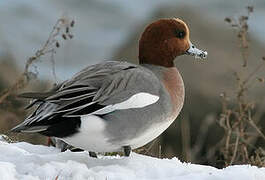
(138, 100)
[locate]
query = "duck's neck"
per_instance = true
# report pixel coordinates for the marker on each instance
(158, 61)
(156, 57)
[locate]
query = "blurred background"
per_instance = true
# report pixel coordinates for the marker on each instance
(109, 30)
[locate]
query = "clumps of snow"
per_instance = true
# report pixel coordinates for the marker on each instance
(25, 161)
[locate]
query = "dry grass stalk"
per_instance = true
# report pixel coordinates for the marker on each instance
(241, 25)
(237, 114)
(61, 27)
(185, 139)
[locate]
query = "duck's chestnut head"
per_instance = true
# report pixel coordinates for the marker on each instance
(163, 40)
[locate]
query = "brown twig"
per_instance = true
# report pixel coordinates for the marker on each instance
(235, 150)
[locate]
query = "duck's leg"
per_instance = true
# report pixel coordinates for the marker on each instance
(92, 154)
(63, 146)
(52, 141)
(127, 150)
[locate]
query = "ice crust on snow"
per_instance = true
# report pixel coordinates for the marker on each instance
(24, 161)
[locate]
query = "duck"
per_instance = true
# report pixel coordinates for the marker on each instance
(116, 106)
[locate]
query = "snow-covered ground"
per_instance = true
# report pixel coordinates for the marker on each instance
(24, 161)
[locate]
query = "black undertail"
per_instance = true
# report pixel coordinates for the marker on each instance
(63, 127)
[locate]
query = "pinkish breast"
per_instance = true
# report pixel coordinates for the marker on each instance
(174, 84)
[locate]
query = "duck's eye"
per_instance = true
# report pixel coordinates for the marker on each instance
(180, 34)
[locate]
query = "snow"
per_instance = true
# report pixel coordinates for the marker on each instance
(25, 161)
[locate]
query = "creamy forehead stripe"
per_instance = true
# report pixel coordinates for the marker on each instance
(179, 20)
(138, 100)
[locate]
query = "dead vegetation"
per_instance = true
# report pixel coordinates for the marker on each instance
(62, 29)
(238, 117)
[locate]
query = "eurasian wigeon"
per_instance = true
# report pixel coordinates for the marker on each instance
(114, 106)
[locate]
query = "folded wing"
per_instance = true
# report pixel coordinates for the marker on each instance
(98, 90)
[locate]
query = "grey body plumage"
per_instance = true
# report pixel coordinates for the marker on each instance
(117, 105)
(95, 88)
